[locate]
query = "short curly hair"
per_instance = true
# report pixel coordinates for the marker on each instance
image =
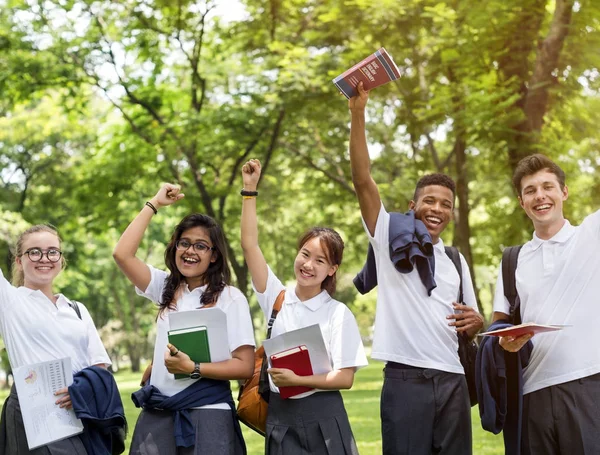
(434, 179)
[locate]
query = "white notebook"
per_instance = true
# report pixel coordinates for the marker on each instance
(45, 421)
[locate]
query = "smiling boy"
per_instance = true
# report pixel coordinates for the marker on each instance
(558, 282)
(424, 401)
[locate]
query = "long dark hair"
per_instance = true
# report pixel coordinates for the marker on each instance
(216, 277)
(332, 245)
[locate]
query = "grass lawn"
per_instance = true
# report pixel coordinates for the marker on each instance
(362, 404)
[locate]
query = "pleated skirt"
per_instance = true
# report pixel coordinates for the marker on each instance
(15, 440)
(315, 425)
(154, 434)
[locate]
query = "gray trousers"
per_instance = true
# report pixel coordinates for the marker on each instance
(425, 411)
(563, 419)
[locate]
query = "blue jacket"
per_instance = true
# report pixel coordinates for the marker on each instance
(203, 392)
(499, 382)
(96, 401)
(410, 246)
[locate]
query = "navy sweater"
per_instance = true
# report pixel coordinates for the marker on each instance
(96, 401)
(499, 382)
(410, 246)
(203, 392)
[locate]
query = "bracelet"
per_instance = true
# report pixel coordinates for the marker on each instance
(249, 193)
(149, 204)
(248, 197)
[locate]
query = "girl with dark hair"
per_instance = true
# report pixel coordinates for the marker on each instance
(311, 422)
(38, 325)
(188, 416)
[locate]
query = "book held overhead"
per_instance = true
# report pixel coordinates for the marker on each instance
(375, 70)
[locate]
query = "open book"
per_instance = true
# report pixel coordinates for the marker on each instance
(375, 70)
(45, 421)
(523, 329)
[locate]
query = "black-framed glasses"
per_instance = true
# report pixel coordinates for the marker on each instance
(199, 247)
(36, 254)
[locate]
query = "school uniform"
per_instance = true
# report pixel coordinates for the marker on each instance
(558, 282)
(316, 421)
(213, 423)
(424, 401)
(36, 330)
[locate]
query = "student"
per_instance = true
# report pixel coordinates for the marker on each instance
(38, 325)
(425, 401)
(315, 422)
(188, 416)
(558, 282)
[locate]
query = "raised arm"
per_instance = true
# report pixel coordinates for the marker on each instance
(366, 188)
(249, 228)
(126, 248)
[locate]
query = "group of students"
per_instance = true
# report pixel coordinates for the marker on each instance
(424, 401)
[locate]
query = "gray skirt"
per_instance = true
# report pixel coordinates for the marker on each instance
(316, 425)
(15, 440)
(154, 434)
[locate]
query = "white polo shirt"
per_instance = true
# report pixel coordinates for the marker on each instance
(410, 326)
(337, 323)
(239, 328)
(558, 282)
(36, 330)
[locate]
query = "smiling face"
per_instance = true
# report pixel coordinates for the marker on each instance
(191, 262)
(434, 207)
(311, 266)
(39, 275)
(542, 199)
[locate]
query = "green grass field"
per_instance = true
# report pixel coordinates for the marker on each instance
(362, 404)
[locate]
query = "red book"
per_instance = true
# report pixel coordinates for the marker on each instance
(297, 360)
(523, 329)
(377, 69)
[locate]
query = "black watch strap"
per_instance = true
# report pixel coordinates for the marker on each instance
(196, 373)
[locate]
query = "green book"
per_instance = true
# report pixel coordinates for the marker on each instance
(194, 342)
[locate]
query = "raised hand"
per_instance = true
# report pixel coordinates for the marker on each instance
(251, 174)
(167, 195)
(359, 102)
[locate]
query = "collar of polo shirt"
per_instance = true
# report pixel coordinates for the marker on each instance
(312, 304)
(565, 233)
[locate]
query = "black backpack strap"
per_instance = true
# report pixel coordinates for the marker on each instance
(75, 305)
(454, 255)
(510, 259)
(467, 349)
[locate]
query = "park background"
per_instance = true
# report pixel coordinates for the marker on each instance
(101, 101)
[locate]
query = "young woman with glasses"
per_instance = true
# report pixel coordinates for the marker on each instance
(194, 415)
(38, 325)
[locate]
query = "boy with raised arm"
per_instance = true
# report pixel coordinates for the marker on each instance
(424, 402)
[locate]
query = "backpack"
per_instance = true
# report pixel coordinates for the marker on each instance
(467, 349)
(253, 399)
(510, 258)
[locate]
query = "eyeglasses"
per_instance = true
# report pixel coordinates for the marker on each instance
(36, 254)
(199, 247)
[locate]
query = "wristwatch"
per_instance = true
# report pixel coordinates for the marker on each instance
(196, 373)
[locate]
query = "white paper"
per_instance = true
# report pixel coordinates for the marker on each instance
(215, 321)
(45, 421)
(311, 337)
